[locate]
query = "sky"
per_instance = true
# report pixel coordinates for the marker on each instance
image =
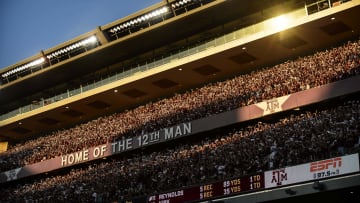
(29, 26)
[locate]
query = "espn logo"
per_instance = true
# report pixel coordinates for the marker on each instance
(325, 164)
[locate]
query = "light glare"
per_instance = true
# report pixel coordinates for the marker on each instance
(280, 22)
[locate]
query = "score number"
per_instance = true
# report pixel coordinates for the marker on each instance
(206, 191)
(243, 184)
(232, 186)
(255, 182)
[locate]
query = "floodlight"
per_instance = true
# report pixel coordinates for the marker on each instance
(139, 19)
(89, 40)
(92, 39)
(23, 67)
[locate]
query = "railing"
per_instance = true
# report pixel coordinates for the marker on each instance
(322, 5)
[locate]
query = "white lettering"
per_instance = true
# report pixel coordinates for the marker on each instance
(178, 131)
(78, 156)
(103, 150)
(156, 135)
(113, 147)
(75, 158)
(96, 152)
(63, 160)
(126, 144)
(86, 155)
(71, 159)
(129, 143)
(171, 195)
(121, 145)
(187, 128)
(169, 133)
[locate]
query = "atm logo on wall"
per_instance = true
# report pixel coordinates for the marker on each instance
(272, 105)
(12, 174)
(278, 176)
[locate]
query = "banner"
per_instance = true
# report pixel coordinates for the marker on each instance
(312, 171)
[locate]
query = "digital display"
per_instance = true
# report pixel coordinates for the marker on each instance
(212, 190)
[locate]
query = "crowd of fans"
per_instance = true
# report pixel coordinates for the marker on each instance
(298, 138)
(286, 78)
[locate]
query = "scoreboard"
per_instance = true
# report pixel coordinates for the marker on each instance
(242, 184)
(211, 190)
(311, 171)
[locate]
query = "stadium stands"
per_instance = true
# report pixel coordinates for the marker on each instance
(245, 144)
(297, 138)
(286, 78)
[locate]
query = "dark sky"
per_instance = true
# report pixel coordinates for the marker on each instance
(29, 26)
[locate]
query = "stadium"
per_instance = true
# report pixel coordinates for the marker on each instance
(190, 101)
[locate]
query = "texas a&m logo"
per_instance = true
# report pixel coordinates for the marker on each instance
(272, 105)
(12, 174)
(278, 176)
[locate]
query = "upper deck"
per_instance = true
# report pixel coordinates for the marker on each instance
(223, 50)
